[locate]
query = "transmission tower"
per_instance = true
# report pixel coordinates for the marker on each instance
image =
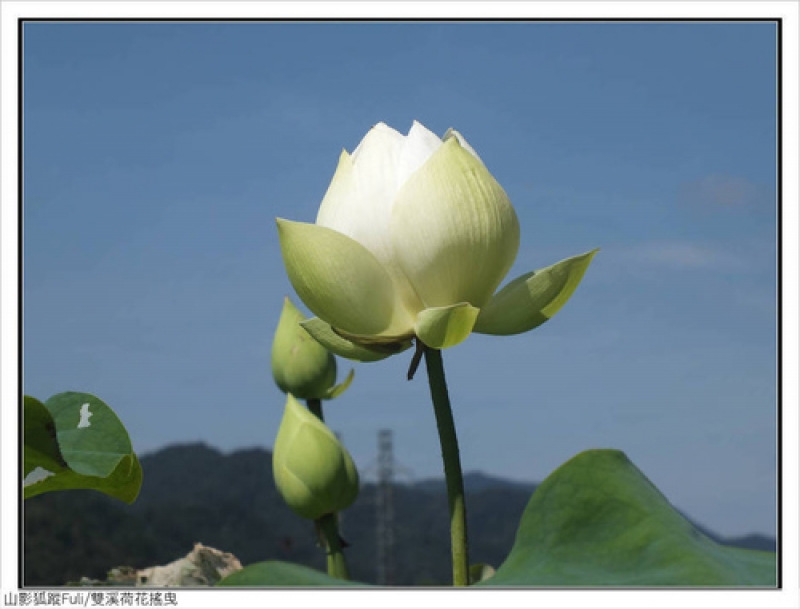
(385, 508)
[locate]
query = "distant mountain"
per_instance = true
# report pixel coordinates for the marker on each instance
(752, 542)
(474, 482)
(194, 493)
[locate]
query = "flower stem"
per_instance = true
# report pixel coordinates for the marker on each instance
(328, 525)
(452, 465)
(315, 407)
(337, 566)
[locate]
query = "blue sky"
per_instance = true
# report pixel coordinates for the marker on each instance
(157, 157)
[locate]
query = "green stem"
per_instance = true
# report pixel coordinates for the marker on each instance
(452, 466)
(328, 525)
(315, 406)
(337, 566)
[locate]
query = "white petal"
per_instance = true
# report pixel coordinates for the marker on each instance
(454, 231)
(359, 201)
(339, 196)
(419, 146)
(382, 133)
(453, 133)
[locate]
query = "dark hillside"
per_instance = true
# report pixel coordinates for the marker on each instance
(193, 493)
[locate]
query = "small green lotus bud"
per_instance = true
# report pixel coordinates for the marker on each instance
(313, 471)
(300, 365)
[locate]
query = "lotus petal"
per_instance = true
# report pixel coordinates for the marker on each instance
(443, 327)
(533, 298)
(340, 280)
(454, 231)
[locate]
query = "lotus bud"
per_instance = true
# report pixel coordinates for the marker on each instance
(313, 471)
(301, 365)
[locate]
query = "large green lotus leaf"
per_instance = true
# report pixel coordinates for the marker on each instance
(598, 521)
(75, 441)
(277, 573)
(41, 446)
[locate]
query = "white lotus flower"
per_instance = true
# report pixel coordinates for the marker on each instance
(412, 238)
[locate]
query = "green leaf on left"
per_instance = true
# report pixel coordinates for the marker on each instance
(75, 441)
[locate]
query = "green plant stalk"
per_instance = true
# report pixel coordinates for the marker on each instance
(452, 466)
(328, 525)
(315, 406)
(337, 566)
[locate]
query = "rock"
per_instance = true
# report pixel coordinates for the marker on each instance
(203, 566)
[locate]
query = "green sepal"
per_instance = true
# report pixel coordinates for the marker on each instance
(339, 389)
(443, 327)
(348, 347)
(340, 280)
(531, 299)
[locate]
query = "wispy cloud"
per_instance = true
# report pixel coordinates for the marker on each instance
(721, 190)
(679, 255)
